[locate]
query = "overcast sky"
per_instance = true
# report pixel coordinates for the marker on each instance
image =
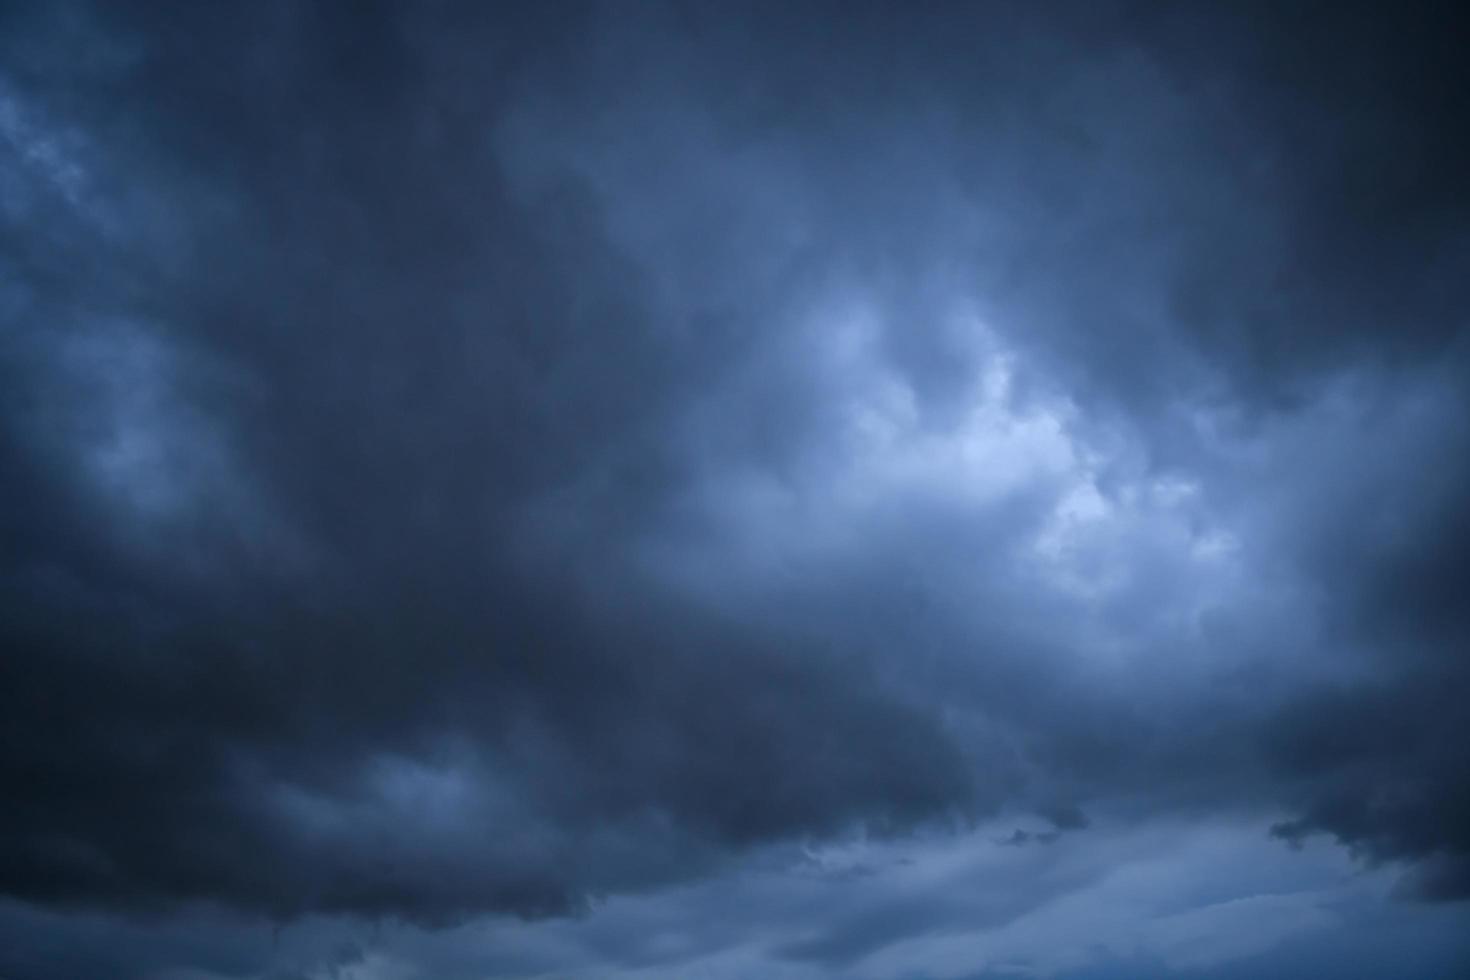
(648, 491)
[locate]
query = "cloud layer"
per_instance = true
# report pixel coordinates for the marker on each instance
(466, 462)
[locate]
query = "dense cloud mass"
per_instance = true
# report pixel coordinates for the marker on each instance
(798, 490)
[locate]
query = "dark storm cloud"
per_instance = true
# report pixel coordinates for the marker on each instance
(413, 359)
(428, 441)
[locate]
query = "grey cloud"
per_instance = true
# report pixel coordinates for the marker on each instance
(468, 461)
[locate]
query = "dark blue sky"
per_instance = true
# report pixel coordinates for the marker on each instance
(792, 490)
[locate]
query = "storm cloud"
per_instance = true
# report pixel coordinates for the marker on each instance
(552, 476)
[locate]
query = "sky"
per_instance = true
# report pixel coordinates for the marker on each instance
(792, 490)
